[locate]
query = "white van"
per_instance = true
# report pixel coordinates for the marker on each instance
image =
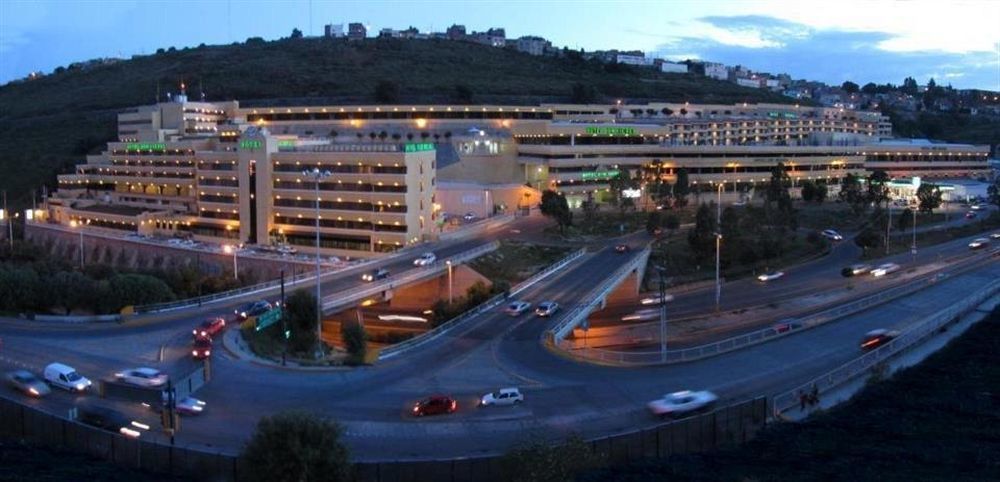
(65, 377)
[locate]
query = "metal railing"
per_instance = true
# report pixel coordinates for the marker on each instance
(594, 298)
(442, 329)
(865, 363)
(349, 296)
(477, 227)
(791, 325)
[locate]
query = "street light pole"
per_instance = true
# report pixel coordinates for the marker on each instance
(718, 246)
(913, 247)
(663, 316)
(888, 222)
(318, 175)
(450, 285)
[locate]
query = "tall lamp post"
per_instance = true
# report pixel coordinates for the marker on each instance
(317, 175)
(79, 226)
(231, 249)
(663, 315)
(913, 246)
(718, 247)
(450, 285)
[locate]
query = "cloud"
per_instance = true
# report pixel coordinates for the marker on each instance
(828, 55)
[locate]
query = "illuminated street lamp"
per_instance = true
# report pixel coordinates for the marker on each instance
(79, 225)
(718, 246)
(448, 262)
(317, 175)
(234, 250)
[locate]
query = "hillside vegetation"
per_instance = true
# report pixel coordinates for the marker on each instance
(47, 125)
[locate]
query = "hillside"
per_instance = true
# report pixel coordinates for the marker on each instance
(48, 125)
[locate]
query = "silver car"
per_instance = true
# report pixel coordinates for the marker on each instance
(27, 382)
(547, 308)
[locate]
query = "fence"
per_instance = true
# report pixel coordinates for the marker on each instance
(726, 426)
(449, 325)
(863, 364)
(792, 325)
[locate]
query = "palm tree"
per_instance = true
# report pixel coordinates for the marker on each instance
(360, 136)
(424, 135)
(396, 136)
(436, 137)
(409, 136)
(382, 135)
(372, 136)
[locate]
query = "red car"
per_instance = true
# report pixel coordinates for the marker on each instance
(436, 405)
(876, 338)
(209, 328)
(202, 348)
(622, 248)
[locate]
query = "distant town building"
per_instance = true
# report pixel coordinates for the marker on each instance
(673, 67)
(456, 32)
(389, 33)
(745, 82)
(333, 30)
(356, 31)
(533, 45)
(716, 70)
(633, 58)
(494, 37)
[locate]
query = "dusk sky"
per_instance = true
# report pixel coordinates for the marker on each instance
(955, 42)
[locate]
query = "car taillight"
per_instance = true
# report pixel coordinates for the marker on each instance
(454, 405)
(208, 352)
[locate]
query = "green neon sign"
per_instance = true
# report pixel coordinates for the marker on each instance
(611, 131)
(286, 143)
(251, 144)
(418, 147)
(145, 146)
(599, 175)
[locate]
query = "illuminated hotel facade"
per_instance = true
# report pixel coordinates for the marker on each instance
(220, 172)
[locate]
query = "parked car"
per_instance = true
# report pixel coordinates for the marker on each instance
(884, 269)
(109, 419)
(770, 276)
(27, 382)
(425, 259)
(65, 377)
(622, 248)
(876, 338)
(995, 235)
(855, 270)
(832, 235)
(201, 348)
(142, 377)
(517, 307)
(682, 403)
(503, 396)
(256, 308)
(979, 243)
(211, 327)
(436, 405)
(547, 308)
(469, 216)
(375, 274)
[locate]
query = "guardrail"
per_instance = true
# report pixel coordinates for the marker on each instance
(416, 341)
(477, 227)
(865, 363)
(347, 297)
(595, 297)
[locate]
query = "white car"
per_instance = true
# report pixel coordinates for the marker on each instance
(832, 235)
(995, 235)
(470, 216)
(517, 307)
(770, 276)
(884, 269)
(979, 243)
(143, 377)
(547, 308)
(643, 315)
(65, 377)
(656, 300)
(679, 404)
(504, 396)
(425, 259)
(976, 207)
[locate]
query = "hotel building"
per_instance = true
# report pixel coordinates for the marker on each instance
(221, 172)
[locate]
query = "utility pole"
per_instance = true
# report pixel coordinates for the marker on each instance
(284, 322)
(718, 249)
(888, 223)
(913, 246)
(663, 316)
(318, 175)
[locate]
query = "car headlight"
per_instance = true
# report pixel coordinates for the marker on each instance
(32, 391)
(194, 352)
(80, 386)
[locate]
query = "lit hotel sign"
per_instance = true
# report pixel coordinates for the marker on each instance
(611, 131)
(145, 146)
(418, 147)
(598, 175)
(251, 144)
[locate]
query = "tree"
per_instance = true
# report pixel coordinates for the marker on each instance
(386, 92)
(296, 33)
(463, 94)
(681, 188)
(904, 220)
(583, 93)
(653, 222)
(355, 341)
(618, 185)
(878, 189)
(868, 238)
(555, 206)
(296, 446)
(536, 461)
(300, 314)
(850, 87)
(909, 86)
(870, 88)
(702, 237)
(808, 191)
(929, 196)
(671, 222)
(993, 192)
(851, 193)
(821, 192)
(777, 188)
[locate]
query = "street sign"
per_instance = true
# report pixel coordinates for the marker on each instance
(268, 319)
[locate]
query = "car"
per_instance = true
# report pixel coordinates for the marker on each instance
(855, 270)
(184, 406)
(106, 418)
(547, 308)
(876, 338)
(970, 215)
(435, 405)
(976, 207)
(286, 249)
(517, 307)
(201, 348)
(256, 308)
(27, 382)
(142, 377)
(770, 276)
(212, 327)
(380, 273)
(622, 248)
(995, 235)
(786, 325)
(643, 315)
(832, 235)
(979, 243)
(503, 396)
(682, 403)
(657, 300)
(65, 377)
(425, 259)
(469, 216)
(884, 269)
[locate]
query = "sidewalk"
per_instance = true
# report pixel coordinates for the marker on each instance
(232, 341)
